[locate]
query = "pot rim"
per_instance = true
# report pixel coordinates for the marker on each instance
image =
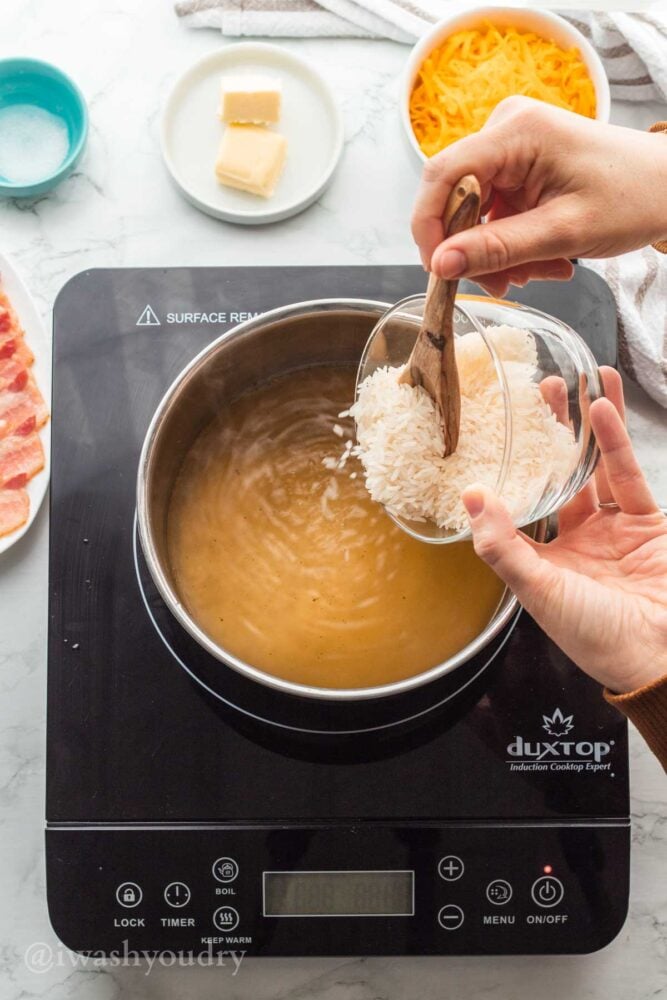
(500, 619)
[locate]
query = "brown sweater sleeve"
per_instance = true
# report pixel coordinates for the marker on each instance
(647, 708)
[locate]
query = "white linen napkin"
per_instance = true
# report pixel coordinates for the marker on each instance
(633, 46)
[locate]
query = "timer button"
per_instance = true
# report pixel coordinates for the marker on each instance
(226, 918)
(450, 917)
(547, 891)
(177, 894)
(450, 868)
(225, 869)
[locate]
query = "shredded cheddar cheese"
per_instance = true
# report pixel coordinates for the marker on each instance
(460, 82)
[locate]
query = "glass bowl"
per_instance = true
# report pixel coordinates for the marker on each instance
(569, 381)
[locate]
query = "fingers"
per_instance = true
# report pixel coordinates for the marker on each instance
(474, 154)
(625, 479)
(613, 389)
(510, 554)
(612, 384)
(585, 503)
(579, 509)
(512, 158)
(540, 234)
(554, 394)
(497, 284)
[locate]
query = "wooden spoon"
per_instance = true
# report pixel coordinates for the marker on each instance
(432, 363)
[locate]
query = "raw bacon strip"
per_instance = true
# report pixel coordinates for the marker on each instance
(37, 400)
(8, 344)
(22, 412)
(8, 317)
(14, 509)
(21, 458)
(21, 419)
(13, 375)
(22, 354)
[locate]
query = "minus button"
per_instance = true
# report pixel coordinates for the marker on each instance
(450, 917)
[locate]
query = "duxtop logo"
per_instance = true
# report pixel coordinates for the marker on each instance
(558, 754)
(558, 724)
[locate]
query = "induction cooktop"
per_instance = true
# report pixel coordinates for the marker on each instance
(188, 810)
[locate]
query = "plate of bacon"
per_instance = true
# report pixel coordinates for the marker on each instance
(25, 393)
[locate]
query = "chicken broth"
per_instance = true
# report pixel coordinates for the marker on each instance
(293, 568)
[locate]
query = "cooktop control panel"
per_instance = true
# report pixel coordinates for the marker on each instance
(356, 890)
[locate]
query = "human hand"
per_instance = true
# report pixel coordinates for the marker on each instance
(599, 589)
(554, 185)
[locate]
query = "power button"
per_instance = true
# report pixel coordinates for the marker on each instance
(547, 891)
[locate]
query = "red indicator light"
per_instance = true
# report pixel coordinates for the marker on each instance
(547, 869)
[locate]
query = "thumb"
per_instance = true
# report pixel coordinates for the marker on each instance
(510, 554)
(538, 234)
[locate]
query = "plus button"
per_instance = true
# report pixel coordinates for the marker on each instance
(450, 868)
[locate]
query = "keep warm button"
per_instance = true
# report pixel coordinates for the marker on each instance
(547, 891)
(226, 918)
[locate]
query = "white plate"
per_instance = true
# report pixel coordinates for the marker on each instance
(310, 119)
(39, 343)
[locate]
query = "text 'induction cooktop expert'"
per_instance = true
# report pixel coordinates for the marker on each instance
(189, 808)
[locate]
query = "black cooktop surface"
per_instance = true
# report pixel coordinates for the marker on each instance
(132, 737)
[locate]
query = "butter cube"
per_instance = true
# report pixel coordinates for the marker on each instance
(250, 99)
(251, 158)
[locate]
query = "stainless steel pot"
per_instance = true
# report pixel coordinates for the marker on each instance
(323, 332)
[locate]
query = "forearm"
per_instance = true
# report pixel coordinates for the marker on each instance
(647, 709)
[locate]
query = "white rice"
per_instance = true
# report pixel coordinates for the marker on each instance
(400, 445)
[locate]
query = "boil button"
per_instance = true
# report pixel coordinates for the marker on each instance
(450, 917)
(547, 891)
(225, 869)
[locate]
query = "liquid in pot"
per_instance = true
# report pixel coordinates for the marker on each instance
(293, 568)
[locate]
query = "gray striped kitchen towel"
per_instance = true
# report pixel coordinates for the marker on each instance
(633, 46)
(639, 283)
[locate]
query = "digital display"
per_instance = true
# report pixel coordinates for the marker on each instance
(339, 894)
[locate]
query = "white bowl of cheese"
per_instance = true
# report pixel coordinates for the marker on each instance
(548, 26)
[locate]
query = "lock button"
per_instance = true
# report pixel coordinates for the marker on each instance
(129, 895)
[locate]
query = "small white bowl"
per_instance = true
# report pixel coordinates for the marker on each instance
(310, 120)
(540, 21)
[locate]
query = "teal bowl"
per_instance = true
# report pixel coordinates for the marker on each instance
(43, 115)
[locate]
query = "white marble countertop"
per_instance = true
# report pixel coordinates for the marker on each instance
(120, 209)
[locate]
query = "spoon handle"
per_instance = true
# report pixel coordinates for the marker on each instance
(461, 212)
